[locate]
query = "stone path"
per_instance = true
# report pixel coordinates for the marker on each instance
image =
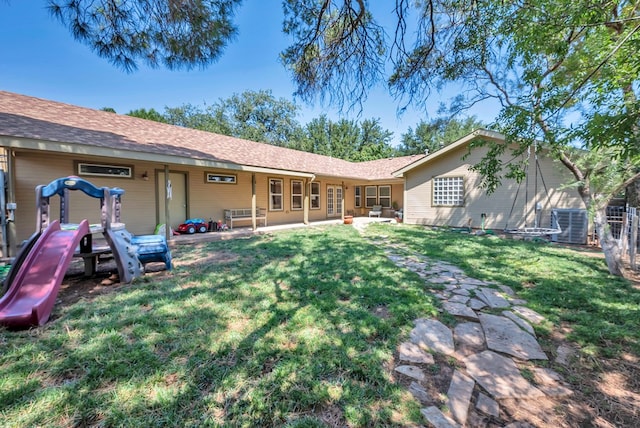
(492, 336)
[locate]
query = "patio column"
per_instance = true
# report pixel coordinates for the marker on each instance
(253, 201)
(305, 203)
(167, 211)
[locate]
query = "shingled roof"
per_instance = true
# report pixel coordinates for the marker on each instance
(54, 122)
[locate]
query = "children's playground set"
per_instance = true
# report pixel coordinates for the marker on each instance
(32, 283)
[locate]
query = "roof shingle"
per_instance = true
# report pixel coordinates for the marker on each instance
(39, 119)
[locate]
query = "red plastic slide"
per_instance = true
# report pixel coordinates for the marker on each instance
(33, 291)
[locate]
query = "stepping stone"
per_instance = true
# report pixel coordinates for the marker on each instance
(563, 353)
(458, 298)
(500, 377)
(419, 392)
(462, 292)
(492, 298)
(433, 335)
(550, 382)
(472, 281)
(518, 302)
(411, 371)
(522, 323)
(467, 286)
(459, 310)
(441, 280)
(530, 315)
(469, 338)
(506, 290)
(437, 418)
(476, 304)
(414, 354)
(459, 396)
(487, 405)
(503, 335)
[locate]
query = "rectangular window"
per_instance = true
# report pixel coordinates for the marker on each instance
(371, 196)
(448, 191)
(100, 170)
(296, 194)
(315, 196)
(384, 196)
(358, 195)
(275, 194)
(220, 178)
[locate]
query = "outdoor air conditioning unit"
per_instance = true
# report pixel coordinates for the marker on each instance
(574, 224)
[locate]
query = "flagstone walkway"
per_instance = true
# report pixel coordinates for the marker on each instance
(493, 337)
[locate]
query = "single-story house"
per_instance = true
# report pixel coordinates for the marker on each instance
(171, 174)
(203, 173)
(441, 189)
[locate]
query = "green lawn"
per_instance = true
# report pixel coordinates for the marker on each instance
(282, 329)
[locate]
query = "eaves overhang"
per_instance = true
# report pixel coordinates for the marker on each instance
(91, 150)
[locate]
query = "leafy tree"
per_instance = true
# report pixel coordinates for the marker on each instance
(259, 116)
(347, 139)
(256, 116)
(170, 33)
(150, 114)
(431, 136)
(564, 71)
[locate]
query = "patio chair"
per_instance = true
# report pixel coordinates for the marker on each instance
(376, 211)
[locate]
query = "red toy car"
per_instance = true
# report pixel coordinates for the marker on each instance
(192, 226)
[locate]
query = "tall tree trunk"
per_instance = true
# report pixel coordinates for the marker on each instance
(610, 246)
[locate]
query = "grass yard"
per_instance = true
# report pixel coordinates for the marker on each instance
(298, 328)
(267, 331)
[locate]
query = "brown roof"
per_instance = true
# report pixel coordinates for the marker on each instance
(38, 119)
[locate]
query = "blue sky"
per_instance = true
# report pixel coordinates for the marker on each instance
(40, 58)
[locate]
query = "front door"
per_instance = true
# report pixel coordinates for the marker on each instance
(334, 201)
(177, 191)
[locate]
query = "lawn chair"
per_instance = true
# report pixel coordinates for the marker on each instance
(376, 211)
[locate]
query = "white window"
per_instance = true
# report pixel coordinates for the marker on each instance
(384, 196)
(220, 178)
(275, 194)
(371, 196)
(358, 195)
(315, 196)
(105, 170)
(296, 194)
(448, 191)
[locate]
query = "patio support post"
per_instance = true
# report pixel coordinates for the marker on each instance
(253, 201)
(12, 235)
(167, 211)
(305, 204)
(342, 201)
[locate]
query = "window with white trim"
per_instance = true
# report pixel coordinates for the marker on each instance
(275, 194)
(448, 191)
(384, 196)
(296, 194)
(371, 196)
(102, 170)
(358, 196)
(315, 196)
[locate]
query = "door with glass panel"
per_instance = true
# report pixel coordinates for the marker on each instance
(334, 201)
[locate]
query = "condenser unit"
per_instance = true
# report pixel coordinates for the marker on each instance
(574, 224)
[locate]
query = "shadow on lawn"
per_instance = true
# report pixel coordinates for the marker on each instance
(282, 330)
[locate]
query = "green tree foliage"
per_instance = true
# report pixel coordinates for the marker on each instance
(170, 33)
(151, 114)
(255, 116)
(347, 139)
(259, 116)
(431, 136)
(566, 73)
